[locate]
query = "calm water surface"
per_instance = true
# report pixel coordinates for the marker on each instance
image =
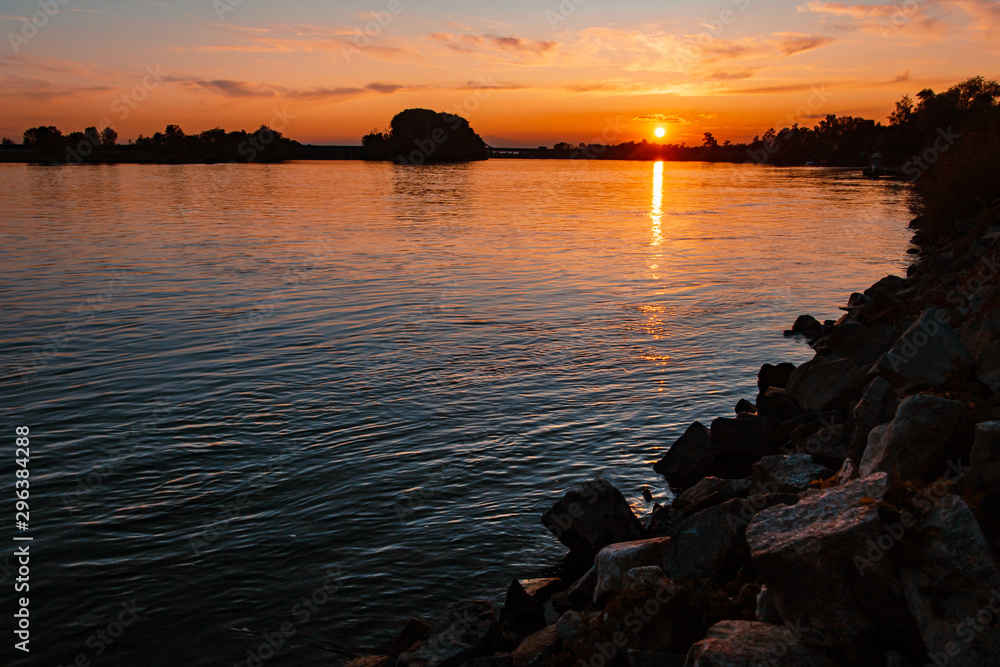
(244, 382)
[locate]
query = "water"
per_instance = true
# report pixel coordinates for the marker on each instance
(244, 383)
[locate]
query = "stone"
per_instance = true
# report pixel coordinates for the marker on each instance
(926, 432)
(779, 408)
(823, 384)
(579, 594)
(708, 492)
(371, 661)
(495, 660)
(615, 560)
(774, 376)
(767, 609)
(928, 354)
(877, 406)
(751, 644)
(540, 589)
(710, 544)
(520, 616)
(663, 521)
(467, 630)
(789, 473)
(745, 406)
(538, 649)
(739, 443)
(414, 631)
(826, 442)
(807, 325)
(688, 459)
(575, 626)
(985, 443)
(592, 516)
(949, 577)
(808, 556)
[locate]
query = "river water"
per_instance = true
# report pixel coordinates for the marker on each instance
(359, 385)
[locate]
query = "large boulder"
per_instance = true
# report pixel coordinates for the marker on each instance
(466, 631)
(826, 383)
(877, 406)
(739, 443)
(928, 354)
(986, 444)
(689, 458)
(592, 516)
(806, 554)
(615, 560)
(708, 492)
(538, 649)
(953, 587)
(774, 376)
(752, 644)
(926, 432)
(789, 473)
(710, 544)
(521, 615)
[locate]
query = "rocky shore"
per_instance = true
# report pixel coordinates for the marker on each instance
(849, 515)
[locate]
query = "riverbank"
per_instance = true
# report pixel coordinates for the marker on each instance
(847, 516)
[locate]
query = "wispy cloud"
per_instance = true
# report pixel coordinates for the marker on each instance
(884, 19)
(510, 48)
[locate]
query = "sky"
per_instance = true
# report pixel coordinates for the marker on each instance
(523, 72)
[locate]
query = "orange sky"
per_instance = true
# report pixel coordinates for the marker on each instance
(524, 73)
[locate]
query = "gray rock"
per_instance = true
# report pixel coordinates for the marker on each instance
(520, 616)
(877, 406)
(414, 631)
(986, 443)
(743, 406)
(988, 367)
(807, 325)
(708, 492)
(928, 354)
(806, 554)
(823, 384)
(467, 630)
(591, 517)
(826, 442)
(538, 649)
(579, 594)
(767, 609)
(789, 473)
(925, 432)
(710, 544)
(751, 644)
(575, 626)
(688, 459)
(615, 560)
(639, 658)
(952, 584)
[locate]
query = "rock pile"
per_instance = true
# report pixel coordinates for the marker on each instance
(850, 515)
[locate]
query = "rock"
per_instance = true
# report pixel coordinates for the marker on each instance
(538, 649)
(877, 406)
(789, 473)
(774, 376)
(495, 660)
(708, 492)
(591, 517)
(779, 408)
(767, 609)
(520, 616)
(986, 443)
(615, 560)
(745, 406)
(739, 443)
(663, 521)
(688, 459)
(371, 661)
(823, 384)
(575, 626)
(865, 347)
(951, 584)
(924, 434)
(750, 644)
(579, 594)
(414, 631)
(807, 325)
(826, 442)
(540, 589)
(467, 630)
(710, 544)
(928, 354)
(807, 555)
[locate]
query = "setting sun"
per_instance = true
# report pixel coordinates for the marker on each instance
(659, 132)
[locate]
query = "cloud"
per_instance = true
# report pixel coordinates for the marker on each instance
(901, 78)
(733, 74)
(884, 19)
(494, 46)
(986, 13)
(792, 43)
(44, 90)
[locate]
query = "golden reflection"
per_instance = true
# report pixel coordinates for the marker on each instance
(656, 213)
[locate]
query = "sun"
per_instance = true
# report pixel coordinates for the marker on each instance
(659, 132)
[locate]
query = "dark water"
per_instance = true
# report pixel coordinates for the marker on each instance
(361, 384)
